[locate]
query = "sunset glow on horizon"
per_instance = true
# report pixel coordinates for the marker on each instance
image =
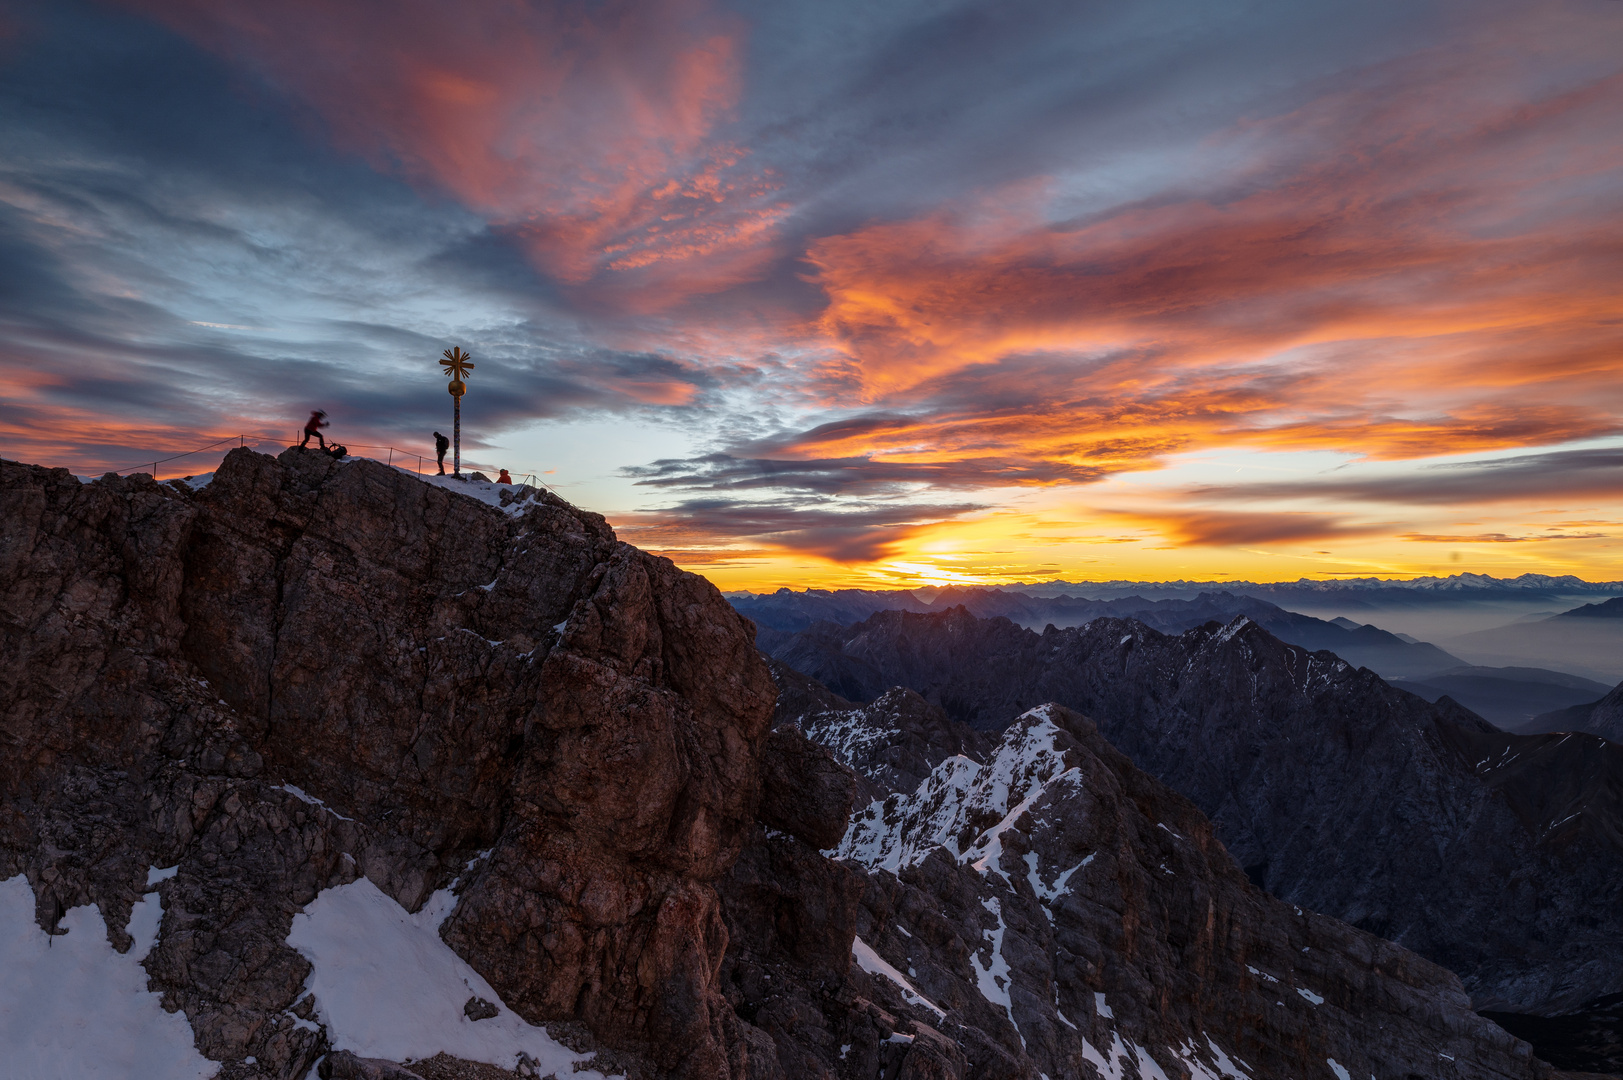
(847, 295)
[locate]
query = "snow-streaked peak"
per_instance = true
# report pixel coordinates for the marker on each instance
(963, 806)
(1232, 630)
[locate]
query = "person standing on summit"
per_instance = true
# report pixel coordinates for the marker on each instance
(441, 445)
(313, 426)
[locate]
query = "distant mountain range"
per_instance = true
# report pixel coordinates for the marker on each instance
(1507, 684)
(1417, 821)
(1362, 645)
(1453, 586)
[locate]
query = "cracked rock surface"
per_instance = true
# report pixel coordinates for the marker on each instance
(311, 670)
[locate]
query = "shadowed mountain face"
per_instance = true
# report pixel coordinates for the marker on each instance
(1081, 911)
(1603, 717)
(1587, 641)
(1334, 790)
(1513, 698)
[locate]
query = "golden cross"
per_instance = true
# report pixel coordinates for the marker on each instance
(457, 363)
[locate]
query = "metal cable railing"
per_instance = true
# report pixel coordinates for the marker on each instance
(242, 440)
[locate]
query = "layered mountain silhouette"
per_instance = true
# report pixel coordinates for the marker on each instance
(1497, 855)
(1586, 640)
(1361, 644)
(1513, 698)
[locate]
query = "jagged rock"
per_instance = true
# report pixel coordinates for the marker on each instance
(892, 744)
(804, 790)
(310, 670)
(799, 695)
(1496, 855)
(1606, 716)
(343, 1065)
(477, 1008)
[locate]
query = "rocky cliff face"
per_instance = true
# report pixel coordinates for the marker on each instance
(1499, 856)
(310, 670)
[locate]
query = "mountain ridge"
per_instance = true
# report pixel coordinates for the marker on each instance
(1279, 746)
(315, 685)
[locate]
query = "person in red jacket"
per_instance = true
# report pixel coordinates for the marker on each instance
(313, 426)
(504, 478)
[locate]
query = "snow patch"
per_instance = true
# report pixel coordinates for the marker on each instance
(1340, 1070)
(1221, 1067)
(1048, 893)
(1310, 995)
(386, 986)
(154, 875)
(1101, 1008)
(1115, 1067)
(299, 793)
(70, 1006)
(488, 493)
(1148, 1067)
(993, 979)
(874, 964)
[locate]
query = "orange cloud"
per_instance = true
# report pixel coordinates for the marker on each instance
(1224, 528)
(1417, 287)
(593, 133)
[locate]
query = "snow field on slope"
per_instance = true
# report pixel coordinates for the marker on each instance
(73, 1008)
(386, 985)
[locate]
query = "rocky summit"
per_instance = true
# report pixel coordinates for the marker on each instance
(322, 769)
(310, 671)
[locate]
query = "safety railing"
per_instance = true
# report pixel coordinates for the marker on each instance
(532, 479)
(240, 440)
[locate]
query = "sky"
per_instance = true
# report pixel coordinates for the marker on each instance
(850, 294)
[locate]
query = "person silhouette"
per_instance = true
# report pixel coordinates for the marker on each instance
(441, 445)
(313, 426)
